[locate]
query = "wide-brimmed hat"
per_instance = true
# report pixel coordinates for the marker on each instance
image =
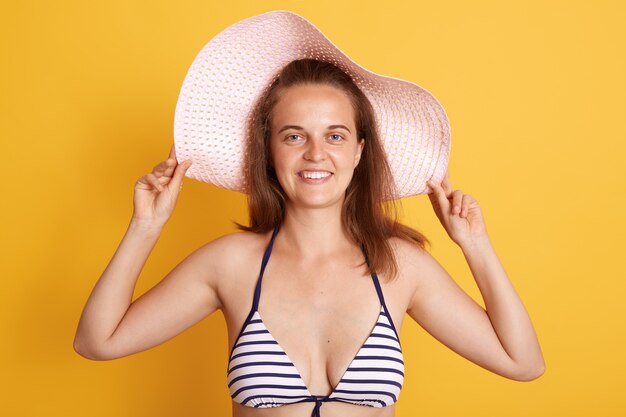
(235, 68)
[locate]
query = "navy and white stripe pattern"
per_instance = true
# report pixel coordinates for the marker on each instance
(261, 374)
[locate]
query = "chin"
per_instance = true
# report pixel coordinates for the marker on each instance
(316, 201)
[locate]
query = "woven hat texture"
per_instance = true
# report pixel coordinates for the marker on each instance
(235, 67)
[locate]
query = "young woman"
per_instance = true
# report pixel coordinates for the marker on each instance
(338, 272)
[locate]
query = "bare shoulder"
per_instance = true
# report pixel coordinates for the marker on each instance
(223, 256)
(226, 245)
(230, 262)
(414, 262)
(408, 254)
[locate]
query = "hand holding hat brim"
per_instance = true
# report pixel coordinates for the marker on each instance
(459, 213)
(156, 193)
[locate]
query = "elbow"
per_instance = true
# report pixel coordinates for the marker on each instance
(81, 349)
(87, 351)
(530, 373)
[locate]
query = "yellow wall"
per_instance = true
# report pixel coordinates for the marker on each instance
(535, 92)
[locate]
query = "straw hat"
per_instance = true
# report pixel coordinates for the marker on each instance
(235, 67)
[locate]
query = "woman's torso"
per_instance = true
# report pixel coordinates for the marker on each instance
(331, 306)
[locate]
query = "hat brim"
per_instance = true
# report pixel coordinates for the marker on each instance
(235, 67)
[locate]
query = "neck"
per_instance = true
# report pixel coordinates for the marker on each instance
(314, 233)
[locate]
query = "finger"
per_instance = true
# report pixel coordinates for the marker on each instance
(179, 174)
(164, 168)
(434, 184)
(173, 152)
(457, 201)
(467, 201)
(143, 181)
(439, 195)
(447, 185)
(431, 185)
(154, 181)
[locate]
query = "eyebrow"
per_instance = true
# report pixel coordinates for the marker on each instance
(301, 128)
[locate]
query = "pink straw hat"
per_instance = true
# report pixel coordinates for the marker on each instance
(234, 68)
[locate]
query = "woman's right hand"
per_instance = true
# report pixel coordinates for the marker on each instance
(156, 192)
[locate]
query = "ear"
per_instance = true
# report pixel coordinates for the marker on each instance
(357, 157)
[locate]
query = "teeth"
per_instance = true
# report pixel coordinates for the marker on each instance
(315, 175)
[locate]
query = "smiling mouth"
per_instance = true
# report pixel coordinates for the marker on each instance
(314, 175)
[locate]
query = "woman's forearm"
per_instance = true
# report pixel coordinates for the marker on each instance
(113, 292)
(505, 309)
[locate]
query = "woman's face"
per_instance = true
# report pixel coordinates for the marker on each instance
(314, 144)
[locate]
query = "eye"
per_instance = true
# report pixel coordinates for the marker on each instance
(290, 138)
(336, 138)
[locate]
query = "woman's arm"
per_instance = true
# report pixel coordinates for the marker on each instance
(500, 339)
(113, 292)
(505, 309)
(111, 326)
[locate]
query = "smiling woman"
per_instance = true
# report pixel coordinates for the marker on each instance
(325, 329)
(315, 168)
(319, 154)
(315, 143)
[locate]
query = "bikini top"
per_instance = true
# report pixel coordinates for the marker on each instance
(261, 374)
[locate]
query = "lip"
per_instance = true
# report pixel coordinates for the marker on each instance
(314, 170)
(314, 180)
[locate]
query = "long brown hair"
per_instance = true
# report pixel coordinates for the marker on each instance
(369, 213)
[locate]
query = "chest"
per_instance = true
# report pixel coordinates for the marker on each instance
(319, 315)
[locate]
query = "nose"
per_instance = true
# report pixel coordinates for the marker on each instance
(314, 150)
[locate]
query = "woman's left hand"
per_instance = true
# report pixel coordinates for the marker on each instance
(459, 213)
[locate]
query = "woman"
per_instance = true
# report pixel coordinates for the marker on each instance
(324, 329)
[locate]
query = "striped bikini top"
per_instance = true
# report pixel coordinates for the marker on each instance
(261, 374)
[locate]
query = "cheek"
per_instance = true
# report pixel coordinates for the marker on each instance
(345, 159)
(275, 155)
(282, 162)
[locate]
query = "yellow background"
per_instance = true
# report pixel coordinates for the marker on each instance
(535, 92)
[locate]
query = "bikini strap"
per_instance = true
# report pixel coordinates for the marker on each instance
(266, 257)
(374, 278)
(379, 291)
